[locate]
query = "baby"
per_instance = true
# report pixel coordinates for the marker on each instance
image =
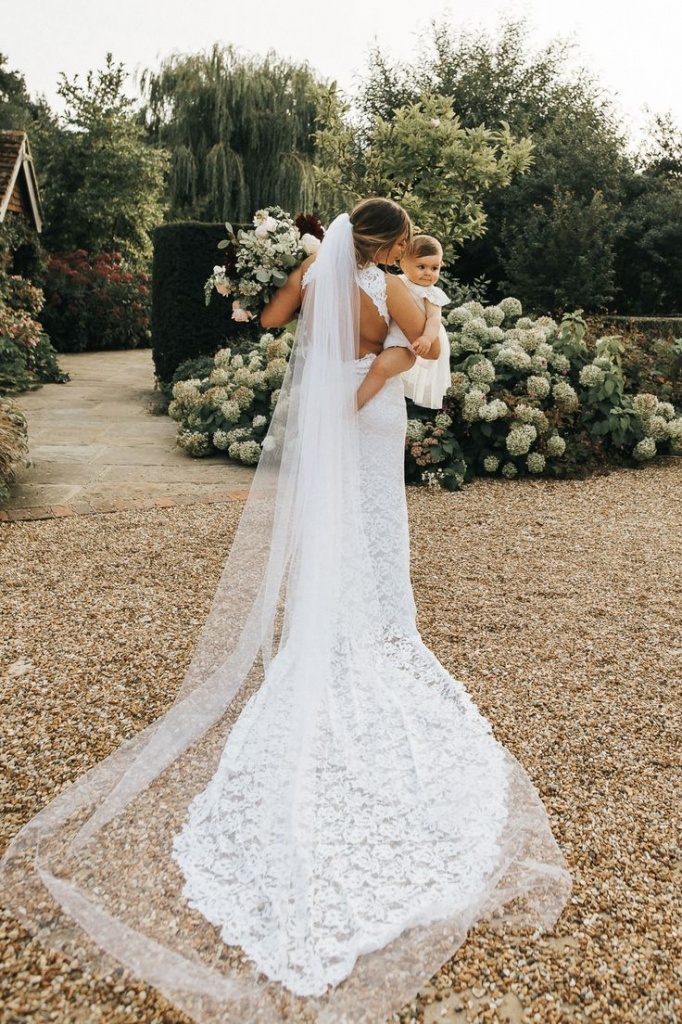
(420, 267)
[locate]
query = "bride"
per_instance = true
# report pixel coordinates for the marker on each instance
(312, 828)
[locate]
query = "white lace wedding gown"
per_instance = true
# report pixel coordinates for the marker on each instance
(392, 807)
(319, 852)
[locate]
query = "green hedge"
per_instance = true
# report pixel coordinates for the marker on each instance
(183, 326)
(649, 326)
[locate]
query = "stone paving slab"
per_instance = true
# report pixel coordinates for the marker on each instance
(98, 506)
(94, 440)
(59, 453)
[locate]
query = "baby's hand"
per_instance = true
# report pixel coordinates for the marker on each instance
(422, 346)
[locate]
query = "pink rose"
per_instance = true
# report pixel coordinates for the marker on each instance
(242, 316)
(222, 287)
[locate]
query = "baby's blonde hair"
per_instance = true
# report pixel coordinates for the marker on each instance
(422, 245)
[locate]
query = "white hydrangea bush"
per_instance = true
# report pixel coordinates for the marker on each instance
(529, 396)
(510, 394)
(230, 410)
(659, 426)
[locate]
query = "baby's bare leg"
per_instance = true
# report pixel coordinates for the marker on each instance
(387, 364)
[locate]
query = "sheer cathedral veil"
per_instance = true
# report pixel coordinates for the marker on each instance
(94, 873)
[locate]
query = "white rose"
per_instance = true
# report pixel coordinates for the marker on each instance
(265, 227)
(310, 243)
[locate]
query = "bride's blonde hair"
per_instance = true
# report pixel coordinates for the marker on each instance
(377, 224)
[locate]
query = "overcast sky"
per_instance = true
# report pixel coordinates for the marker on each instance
(634, 49)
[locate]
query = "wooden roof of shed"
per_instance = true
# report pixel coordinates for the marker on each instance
(16, 170)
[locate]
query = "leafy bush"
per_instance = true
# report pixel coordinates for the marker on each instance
(229, 410)
(527, 397)
(389, 157)
(95, 301)
(651, 354)
(13, 444)
(648, 328)
(27, 358)
(102, 183)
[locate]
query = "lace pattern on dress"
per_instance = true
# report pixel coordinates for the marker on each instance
(407, 810)
(402, 795)
(373, 283)
(371, 280)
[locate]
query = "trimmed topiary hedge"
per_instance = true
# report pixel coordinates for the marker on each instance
(646, 326)
(183, 326)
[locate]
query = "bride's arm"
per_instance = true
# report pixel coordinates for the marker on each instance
(286, 300)
(407, 313)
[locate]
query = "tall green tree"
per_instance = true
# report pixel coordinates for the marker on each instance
(103, 184)
(648, 243)
(17, 110)
(579, 151)
(425, 159)
(565, 237)
(240, 132)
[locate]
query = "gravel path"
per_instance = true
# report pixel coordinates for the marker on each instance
(559, 605)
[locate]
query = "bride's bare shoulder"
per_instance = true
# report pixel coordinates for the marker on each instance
(307, 263)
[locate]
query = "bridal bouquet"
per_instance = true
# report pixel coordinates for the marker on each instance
(258, 261)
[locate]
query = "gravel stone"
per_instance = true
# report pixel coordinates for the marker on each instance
(558, 603)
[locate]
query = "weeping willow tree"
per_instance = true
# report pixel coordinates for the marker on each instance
(240, 132)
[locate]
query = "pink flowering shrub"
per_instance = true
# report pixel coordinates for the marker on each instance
(95, 301)
(27, 358)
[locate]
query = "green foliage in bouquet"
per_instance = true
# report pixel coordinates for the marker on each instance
(258, 261)
(229, 410)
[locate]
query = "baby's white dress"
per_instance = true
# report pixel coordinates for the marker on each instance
(428, 380)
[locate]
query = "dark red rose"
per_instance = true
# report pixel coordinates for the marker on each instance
(309, 225)
(231, 260)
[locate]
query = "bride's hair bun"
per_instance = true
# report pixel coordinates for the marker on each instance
(377, 224)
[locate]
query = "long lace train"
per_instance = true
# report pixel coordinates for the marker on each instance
(394, 812)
